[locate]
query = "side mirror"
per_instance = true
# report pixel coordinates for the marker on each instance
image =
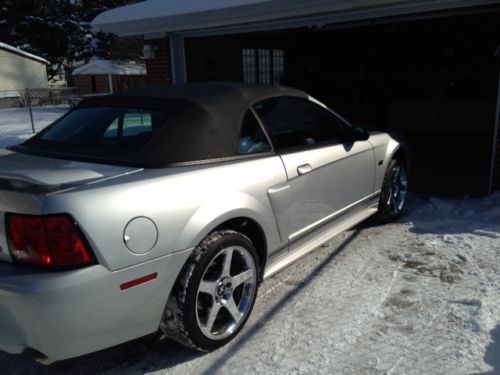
(360, 134)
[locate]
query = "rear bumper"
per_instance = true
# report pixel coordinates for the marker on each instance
(68, 314)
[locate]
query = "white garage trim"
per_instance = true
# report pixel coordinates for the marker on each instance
(193, 18)
(340, 19)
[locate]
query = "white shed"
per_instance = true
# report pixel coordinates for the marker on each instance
(21, 70)
(107, 76)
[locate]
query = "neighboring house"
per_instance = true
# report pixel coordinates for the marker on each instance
(20, 70)
(105, 76)
(424, 68)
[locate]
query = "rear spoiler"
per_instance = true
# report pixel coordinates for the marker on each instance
(46, 178)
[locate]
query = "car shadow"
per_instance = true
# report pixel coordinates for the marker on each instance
(143, 354)
(149, 354)
(442, 216)
(491, 357)
(250, 332)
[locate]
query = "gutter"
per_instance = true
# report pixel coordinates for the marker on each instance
(276, 15)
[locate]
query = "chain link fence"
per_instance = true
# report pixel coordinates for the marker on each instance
(30, 110)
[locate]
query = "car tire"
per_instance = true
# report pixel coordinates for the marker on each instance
(394, 191)
(215, 292)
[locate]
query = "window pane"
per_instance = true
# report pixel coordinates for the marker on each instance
(278, 65)
(264, 66)
(252, 139)
(249, 68)
(294, 122)
(137, 123)
(112, 130)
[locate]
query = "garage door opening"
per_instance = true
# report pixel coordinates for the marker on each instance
(433, 80)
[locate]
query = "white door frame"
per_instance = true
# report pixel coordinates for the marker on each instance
(177, 59)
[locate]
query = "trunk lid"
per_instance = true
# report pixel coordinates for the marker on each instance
(52, 173)
(25, 181)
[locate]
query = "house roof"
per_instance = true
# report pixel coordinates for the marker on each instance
(121, 68)
(217, 16)
(17, 51)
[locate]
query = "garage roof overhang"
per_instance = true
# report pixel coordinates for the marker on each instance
(196, 18)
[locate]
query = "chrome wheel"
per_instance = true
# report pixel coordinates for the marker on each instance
(398, 189)
(226, 292)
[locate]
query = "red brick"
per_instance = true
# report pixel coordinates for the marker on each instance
(158, 69)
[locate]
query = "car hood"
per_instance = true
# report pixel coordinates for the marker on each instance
(23, 170)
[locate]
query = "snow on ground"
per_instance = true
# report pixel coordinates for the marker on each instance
(419, 296)
(16, 121)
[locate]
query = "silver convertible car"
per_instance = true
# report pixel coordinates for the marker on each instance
(162, 210)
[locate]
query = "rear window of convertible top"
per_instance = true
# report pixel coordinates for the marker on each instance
(106, 133)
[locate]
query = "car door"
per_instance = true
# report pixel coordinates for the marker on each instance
(327, 171)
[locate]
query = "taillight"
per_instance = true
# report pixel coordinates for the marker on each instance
(51, 241)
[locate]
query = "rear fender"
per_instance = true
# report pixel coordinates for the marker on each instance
(224, 208)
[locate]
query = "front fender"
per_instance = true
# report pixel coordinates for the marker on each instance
(385, 147)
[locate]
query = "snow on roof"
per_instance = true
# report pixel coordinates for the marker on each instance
(153, 16)
(199, 17)
(10, 48)
(162, 8)
(122, 68)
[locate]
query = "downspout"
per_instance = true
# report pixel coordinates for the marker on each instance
(495, 128)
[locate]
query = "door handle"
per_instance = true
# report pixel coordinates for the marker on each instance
(304, 169)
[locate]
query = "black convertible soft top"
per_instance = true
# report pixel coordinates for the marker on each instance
(205, 118)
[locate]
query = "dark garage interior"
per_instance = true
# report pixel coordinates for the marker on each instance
(435, 80)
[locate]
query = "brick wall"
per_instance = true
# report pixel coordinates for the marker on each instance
(159, 69)
(101, 84)
(83, 85)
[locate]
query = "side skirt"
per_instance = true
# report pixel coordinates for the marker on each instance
(311, 241)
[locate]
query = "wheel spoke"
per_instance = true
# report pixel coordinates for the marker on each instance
(389, 195)
(207, 287)
(242, 277)
(233, 310)
(394, 206)
(212, 315)
(397, 171)
(226, 268)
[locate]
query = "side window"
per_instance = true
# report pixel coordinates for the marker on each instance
(294, 122)
(137, 123)
(112, 130)
(252, 138)
(130, 124)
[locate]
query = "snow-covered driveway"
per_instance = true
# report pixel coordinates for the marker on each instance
(421, 296)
